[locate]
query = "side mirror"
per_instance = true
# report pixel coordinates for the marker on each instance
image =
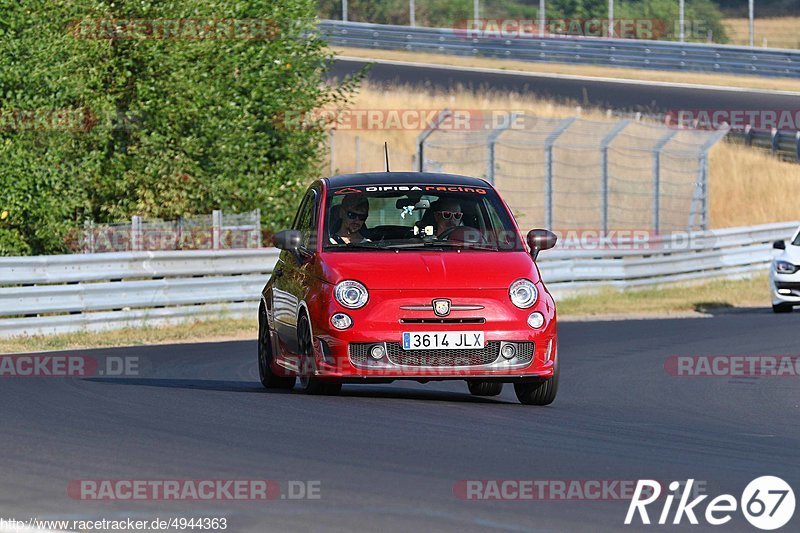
(541, 239)
(779, 245)
(288, 239)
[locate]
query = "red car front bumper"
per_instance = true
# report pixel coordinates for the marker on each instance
(345, 355)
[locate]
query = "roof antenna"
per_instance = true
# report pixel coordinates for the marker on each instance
(386, 152)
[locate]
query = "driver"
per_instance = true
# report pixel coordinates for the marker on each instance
(353, 213)
(447, 215)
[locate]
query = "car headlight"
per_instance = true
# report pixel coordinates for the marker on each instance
(785, 267)
(523, 293)
(351, 294)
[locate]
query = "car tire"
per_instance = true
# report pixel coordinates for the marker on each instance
(538, 392)
(782, 308)
(265, 356)
(309, 383)
(485, 388)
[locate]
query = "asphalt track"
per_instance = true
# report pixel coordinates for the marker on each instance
(620, 95)
(388, 456)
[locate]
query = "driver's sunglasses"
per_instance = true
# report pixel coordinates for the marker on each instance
(357, 216)
(455, 214)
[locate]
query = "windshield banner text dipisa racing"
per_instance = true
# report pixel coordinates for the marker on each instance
(767, 503)
(420, 189)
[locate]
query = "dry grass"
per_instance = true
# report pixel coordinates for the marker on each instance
(747, 186)
(674, 298)
(193, 332)
(778, 32)
(722, 80)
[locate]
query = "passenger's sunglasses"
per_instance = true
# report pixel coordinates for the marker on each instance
(447, 214)
(357, 216)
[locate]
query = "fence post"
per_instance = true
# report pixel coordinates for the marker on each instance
(88, 237)
(136, 233)
(441, 117)
(358, 153)
(216, 228)
(701, 187)
(258, 227)
(548, 163)
(331, 149)
(604, 166)
(657, 149)
(496, 133)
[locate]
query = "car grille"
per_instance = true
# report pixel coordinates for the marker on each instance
(359, 354)
(442, 320)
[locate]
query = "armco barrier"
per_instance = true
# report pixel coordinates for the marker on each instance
(633, 53)
(53, 294)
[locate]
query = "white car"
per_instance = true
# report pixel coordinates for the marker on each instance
(784, 275)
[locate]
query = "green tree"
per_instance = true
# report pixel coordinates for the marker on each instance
(181, 125)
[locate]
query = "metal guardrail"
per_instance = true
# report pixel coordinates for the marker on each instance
(66, 293)
(631, 53)
(783, 144)
(683, 257)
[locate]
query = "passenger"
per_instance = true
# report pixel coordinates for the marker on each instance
(353, 213)
(447, 215)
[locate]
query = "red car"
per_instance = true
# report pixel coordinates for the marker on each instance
(404, 275)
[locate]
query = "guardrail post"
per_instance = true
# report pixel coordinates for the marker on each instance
(257, 222)
(604, 166)
(797, 145)
(216, 228)
(657, 148)
(423, 137)
(136, 233)
(775, 140)
(548, 165)
(496, 133)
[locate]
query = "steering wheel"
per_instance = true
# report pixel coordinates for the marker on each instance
(466, 230)
(446, 233)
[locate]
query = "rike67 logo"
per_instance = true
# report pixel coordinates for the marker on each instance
(767, 503)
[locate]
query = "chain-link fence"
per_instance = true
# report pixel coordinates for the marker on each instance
(580, 174)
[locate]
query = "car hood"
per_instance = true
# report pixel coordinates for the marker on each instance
(429, 270)
(791, 254)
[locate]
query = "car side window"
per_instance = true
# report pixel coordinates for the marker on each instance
(306, 220)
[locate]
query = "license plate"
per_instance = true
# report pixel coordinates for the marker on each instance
(443, 340)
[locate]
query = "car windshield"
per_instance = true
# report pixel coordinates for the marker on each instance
(413, 217)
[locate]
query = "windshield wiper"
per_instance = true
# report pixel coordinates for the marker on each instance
(442, 244)
(363, 245)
